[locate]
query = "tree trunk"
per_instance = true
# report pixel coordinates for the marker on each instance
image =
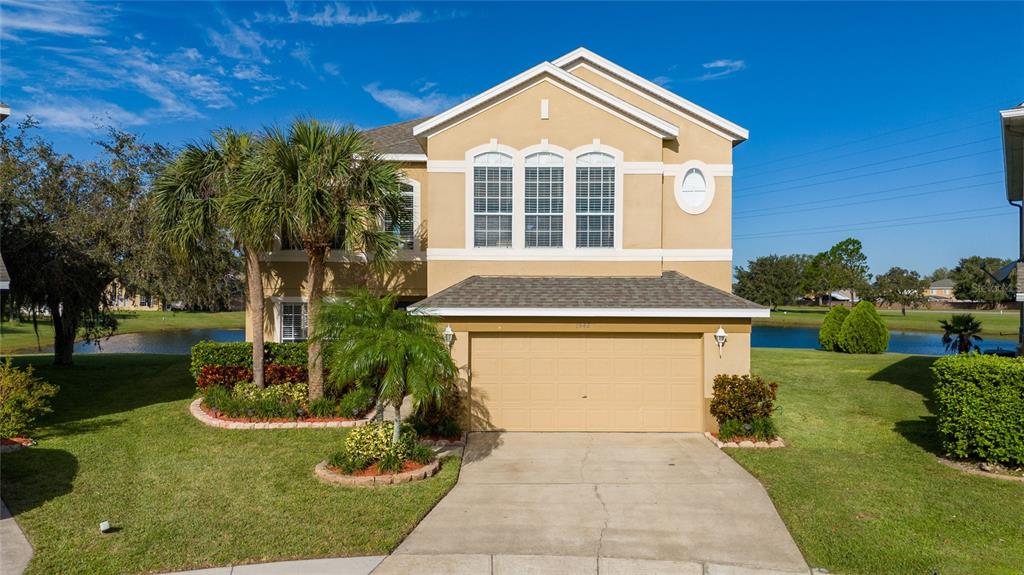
(398, 423)
(254, 280)
(903, 310)
(64, 330)
(315, 256)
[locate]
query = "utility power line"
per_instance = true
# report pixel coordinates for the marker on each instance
(880, 224)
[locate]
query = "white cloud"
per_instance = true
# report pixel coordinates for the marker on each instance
(409, 105)
(69, 113)
(721, 68)
(331, 68)
(340, 14)
(301, 53)
(61, 18)
(251, 72)
(242, 42)
(662, 80)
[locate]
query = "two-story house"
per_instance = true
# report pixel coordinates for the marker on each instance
(572, 234)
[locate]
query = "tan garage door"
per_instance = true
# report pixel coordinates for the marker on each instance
(577, 382)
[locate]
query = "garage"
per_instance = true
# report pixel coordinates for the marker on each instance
(591, 353)
(587, 382)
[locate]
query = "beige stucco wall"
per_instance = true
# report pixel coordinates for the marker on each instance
(573, 122)
(735, 355)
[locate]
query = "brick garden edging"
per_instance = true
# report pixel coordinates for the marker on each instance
(460, 442)
(196, 408)
(773, 444)
(325, 474)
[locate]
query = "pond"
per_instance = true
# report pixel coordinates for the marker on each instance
(180, 341)
(170, 341)
(912, 342)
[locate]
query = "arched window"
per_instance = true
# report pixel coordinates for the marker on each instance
(595, 200)
(543, 200)
(695, 188)
(492, 200)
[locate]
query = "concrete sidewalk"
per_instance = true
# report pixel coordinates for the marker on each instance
(15, 550)
(333, 566)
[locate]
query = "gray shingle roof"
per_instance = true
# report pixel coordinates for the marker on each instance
(943, 283)
(396, 138)
(670, 290)
(4, 278)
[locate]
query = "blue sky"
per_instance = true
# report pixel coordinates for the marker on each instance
(872, 120)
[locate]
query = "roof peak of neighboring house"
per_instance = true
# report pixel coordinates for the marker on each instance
(944, 282)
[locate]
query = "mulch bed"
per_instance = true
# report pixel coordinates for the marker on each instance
(22, 441)
(373, 471)
(221, 416)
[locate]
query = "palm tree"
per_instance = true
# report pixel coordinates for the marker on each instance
(961, 333)
(336, 191)
(199, 200)
(365, 337)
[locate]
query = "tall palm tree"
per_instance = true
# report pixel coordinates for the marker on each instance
(366, 337)
(336, 191)
(199, 199)
(961, 333)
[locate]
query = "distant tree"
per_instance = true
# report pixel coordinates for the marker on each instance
(960, 333)
(974, 284)
(772, 280)
(68, 229)
(899, 287)
(843, 266)
(939, 274)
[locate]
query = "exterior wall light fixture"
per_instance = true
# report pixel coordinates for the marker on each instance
(720, 339)
(449, 335)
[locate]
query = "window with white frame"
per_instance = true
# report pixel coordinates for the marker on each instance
(492, 200)
(695, 189)
(294, 321)
(595, 201)
(404, 227)
(543, 200)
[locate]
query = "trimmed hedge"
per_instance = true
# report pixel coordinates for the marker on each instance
(864, 331)
(828, 335)
(981, 406)
(239, 354)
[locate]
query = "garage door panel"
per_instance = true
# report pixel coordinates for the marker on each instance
(584, 382)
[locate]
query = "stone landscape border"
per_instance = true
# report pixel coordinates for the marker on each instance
(460, 442)
(196, 408)
(323, 471)
(773, 444)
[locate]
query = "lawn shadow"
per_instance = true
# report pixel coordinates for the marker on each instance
(914, 373)
(35, 475)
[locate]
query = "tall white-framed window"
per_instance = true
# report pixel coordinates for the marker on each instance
(294, 321)
(492, 200)
(544, 200)
(405, 227)
(595, 200)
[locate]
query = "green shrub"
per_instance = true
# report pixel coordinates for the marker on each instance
(864, 331)
(239, 354)
(391, 461)
(348, 463)
(828, 335)
(292, 353)
(980, 402)
(731, 428)
(432, 420)
(322, 407)
(373, 440)
(422, 454)
(357, 401)
(763, 428)
(742, 397)
(23, 398)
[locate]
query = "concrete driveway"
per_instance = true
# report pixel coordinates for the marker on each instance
(599, 503)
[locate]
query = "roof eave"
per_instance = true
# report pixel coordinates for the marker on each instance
(666, 129)
(738, 133)
(1013, 152)
(591, 312)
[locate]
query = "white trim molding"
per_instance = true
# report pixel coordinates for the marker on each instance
(590, 312)
(580, 254)
(338, 256)
(652, 91)
(405, 157)
(546, 69)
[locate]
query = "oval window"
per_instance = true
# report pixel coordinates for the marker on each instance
(695, 189)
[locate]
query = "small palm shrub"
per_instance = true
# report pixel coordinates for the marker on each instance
(960, 333)
(864, 331)
(23, 398)
(828, 335)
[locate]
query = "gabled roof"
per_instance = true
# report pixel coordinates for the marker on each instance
(653, 123)
(645, 86)
(396, 139)
(943, 283)
(669, 295)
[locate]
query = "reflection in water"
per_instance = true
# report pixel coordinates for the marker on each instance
(171, 341)
(912, 342)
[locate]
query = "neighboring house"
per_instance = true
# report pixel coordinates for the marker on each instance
(5, 279)
(121, 298)
(941, 290)
(573, 234)
(5, 111)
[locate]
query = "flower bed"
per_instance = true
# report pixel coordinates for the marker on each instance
(9, 444)
(746, 442)
(214, 419)
(368, 477)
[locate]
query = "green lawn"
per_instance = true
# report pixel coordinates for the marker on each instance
(21, 337)
(122, 446)
(996, 325)
(859, 485)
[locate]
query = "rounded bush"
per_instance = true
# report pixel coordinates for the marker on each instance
(373, 440)
(828, 335)
(742, 398)
(864, 331)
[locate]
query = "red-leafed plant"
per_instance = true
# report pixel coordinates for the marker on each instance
(223, 375)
